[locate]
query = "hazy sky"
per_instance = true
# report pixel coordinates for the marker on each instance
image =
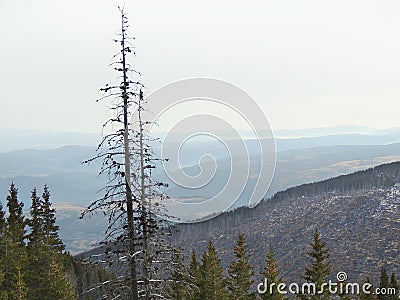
(308, 63)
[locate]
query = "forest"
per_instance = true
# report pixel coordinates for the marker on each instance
(35, 265)
(139, 256)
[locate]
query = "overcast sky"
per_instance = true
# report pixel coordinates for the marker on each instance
(308, 63)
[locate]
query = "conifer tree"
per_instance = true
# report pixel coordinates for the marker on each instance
(15, 220)
(394, 285)
(36, 235)
(319, 270)
(46, 273)
(38, 255)
(393, 281)
(383, 284)
(240, 273)
(19, 290)
(52, 239)
(59, 285)
(3, 292)
(14, 261)
(193, 265)
(2, 251)
(271, 273)
(178, 281)
(2, 220)
(212, 283)
(194, 276)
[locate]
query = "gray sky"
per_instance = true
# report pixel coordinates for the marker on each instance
(308, 63)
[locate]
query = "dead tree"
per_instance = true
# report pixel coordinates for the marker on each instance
(137, 242)
(115, 153)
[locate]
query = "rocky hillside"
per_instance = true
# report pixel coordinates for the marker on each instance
(358, 216)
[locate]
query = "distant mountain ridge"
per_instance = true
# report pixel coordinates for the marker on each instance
(71, 181)
(12, 140)
(333, 130)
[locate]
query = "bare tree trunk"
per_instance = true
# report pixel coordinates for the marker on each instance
(129, 200)
(146, 265)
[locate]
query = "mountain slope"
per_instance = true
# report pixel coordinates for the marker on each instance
(358, 216)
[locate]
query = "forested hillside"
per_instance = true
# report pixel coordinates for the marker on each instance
(358, 215)
(348, 224)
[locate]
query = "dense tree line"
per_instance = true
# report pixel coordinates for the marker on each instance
(382, 176)
(35, 265)
(206, 279)
(33, 260)
(32, 256)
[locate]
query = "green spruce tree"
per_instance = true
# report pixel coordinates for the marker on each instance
(194, 277)
(59, 285)
(36, 235)
(15, 225)
(19, 290)
(3, 294)
(2, 220)
(47, 278)
(212, 283)
(319, 270)
(240, 273)
(38, 255)
(178, 288)
(383, 284)
(271, 273)
(52, 238)
(14, 261)
(394, 285)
